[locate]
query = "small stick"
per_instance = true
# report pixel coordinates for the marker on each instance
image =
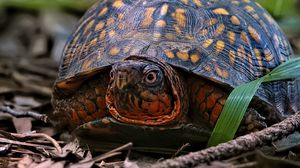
(40, 135)
(111, 164)
(18, 114)
(180, 149)
(114, 151)
(249, 164)
(8, 141)
(105, 156)
(237, 146)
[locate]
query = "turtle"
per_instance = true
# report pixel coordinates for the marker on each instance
(157, 73)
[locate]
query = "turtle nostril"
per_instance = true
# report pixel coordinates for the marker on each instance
(111, 74)
(121, 79)
(121, 75)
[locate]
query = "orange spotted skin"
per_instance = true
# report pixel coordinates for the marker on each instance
(136, 101)
(146, 92)
(203, 48)
(207, 99)
(138, 105)
(85, 105)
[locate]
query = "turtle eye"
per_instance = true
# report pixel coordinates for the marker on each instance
(151, 77)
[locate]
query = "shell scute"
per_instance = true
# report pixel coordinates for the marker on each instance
(216, 39)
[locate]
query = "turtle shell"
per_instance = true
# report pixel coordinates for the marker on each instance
(229, 42)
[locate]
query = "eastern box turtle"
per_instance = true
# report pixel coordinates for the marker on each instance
(157, 73)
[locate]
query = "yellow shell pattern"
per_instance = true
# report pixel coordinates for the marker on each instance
(228, 41)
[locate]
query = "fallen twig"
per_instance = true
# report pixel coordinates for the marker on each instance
(113, 152)
(35, 115)
(40, 135)
(105, 156)
(109, 154)
(180, 150)
(8, 141)
(234, 147)
(110, 164)
(245, 165)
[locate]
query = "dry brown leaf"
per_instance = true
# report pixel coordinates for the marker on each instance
(46, 164)
(22, 125)
(25, 162)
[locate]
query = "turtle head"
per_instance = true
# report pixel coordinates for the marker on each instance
(145, 91)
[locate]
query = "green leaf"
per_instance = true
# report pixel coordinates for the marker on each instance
(239, 100)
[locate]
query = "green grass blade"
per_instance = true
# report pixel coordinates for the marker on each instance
(288, 70)
(239, 100)
(233, 112)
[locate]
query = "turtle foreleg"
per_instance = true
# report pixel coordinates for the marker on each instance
(252, 122)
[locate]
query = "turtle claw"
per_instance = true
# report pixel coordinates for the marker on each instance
(252, 122)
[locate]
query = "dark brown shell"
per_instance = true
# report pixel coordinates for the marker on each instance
(227, 41)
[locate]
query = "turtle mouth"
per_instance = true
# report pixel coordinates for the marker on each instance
(160, 104)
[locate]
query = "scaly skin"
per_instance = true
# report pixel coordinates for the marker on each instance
(131, 102)
(85, 105)
(146, 92)
(207, 99)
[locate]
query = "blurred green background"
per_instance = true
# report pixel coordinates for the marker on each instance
(287, 12)
(278, 8)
